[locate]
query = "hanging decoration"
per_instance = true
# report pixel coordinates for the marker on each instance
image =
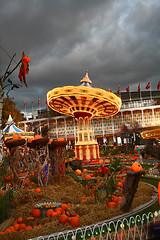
(24, 69)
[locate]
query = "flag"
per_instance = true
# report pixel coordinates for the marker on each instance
(24, 104)
(148, 86)
(46, 100)
(158, 86)
(32, 102)
(118, 91)
(139, 88)
(127, 89)
(110, 90)
(38, 102)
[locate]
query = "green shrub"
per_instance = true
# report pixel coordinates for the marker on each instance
(5, 204)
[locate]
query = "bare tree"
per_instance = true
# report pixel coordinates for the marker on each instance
(4, 83)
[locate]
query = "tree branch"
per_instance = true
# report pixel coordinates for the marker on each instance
(7, 74)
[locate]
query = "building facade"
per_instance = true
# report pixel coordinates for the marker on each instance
(142, 108)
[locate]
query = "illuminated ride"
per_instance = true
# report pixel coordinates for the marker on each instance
(151, 134)
(84, 102)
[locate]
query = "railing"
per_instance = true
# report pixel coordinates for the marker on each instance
(136, 104)
(137, 227)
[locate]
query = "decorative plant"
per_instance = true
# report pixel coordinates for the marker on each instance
(5, 203)
(114, 167)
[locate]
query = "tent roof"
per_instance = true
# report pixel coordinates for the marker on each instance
(10, 126)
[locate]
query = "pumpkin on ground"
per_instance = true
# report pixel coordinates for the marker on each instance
(38, 190)
(37, 213)
(88, 177)
(54, 214)
(64, 219)
(111, 204)
(19, 220)
(64, 206)
(120, 184)
(22, 226)
(75, 221)
(49, 212)
(78, 172)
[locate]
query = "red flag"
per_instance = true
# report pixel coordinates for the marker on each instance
(32, 102)
(110, 90)
(158, 86)
(46, 100)
(38, 102)
(148, 86)
(139, 88)
(118, 91)
(127, 89)
(24, 104)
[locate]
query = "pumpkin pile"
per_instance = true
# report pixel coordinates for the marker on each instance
(64, 212)
(18, 225)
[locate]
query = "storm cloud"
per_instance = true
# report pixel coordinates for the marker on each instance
(118, 42)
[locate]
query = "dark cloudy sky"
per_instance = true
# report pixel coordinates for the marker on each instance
(118, 41)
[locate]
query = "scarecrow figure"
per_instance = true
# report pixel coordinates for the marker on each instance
(130, 186)
(24, 69)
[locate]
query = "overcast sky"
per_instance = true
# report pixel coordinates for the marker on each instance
(117, 41)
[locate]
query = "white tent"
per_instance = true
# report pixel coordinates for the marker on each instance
(10, 127)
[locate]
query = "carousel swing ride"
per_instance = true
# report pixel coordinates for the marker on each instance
(84, 103)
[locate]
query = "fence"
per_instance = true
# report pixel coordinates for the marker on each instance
(137, 227)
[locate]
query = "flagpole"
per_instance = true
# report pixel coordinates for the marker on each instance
(139, 90)
(150, 94)
(32, 107)
(140, 95)
(25, 109)
(130, 96)
(40, 114)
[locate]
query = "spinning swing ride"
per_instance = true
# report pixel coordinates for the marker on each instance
(84, 103)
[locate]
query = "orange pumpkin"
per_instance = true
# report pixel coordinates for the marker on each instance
(12, 229)
(120, 184)
(136, 167)
(119, 198)
(78, 172)
(16, 226)
(120, 236)
(100, 161)
(88, 177)
(64, 206)
(75, 221)
(60, 139)
(22, 226)
(49, 212)
(16, 136)
(54, 214)
(64, 218)
(38, 190)
(19, 220)
(2, 192)
(111, 204)
(37, 213)
(28, 227)
(58, 209)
